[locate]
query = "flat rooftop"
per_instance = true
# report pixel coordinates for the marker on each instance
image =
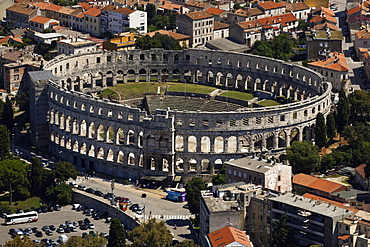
(317, 207)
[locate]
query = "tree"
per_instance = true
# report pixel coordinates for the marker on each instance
(63, 171)
(21, 242)
(343, 111)
(302, 25)
(193, 188)
(219, 178)
(237, 6)
(359, 101)
(262, 48)
(303, 156)
(330, 125)
(36, 176)
(13, 178)
(151, 233)
(157, 41)
(282, 234)
(89, 241)
(60, 193)
(117, 234)
(8, 115)
(4, 141)
(320, 130)
(151, 12)
(160, 22)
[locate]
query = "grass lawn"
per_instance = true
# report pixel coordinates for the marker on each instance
(108, 93)
(269, 102)
(191, 88)
(238, 95)
(33, 202)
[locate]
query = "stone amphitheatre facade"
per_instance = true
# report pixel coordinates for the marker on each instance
(128, 141)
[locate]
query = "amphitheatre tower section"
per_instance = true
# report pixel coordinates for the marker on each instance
(129, 142)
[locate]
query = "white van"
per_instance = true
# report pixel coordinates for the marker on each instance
(75, 206)
(63, 239)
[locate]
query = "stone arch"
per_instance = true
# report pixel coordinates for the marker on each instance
(249, 83)
(198, 76)
(165, 165)
(52, 136)
(110, 134)
(143, 75)
(120, 137)
(83, 128)
(229, 81)
(179, 165)
(219, 144)
(140, 140)
(205, 166)
(68, 123)
(57, 139)
(187, 76)
(100, 153)
(62, 141)
(205, 144)
(75, 126)
(91, 151)
(130, 137)
(119, 76)
(179, 143)
(210, 78)
(69, 144)
(110, 155)
(91, 130)
(51, 116)
(100, 135)
(232, 144)
(219, 79)
(192, 144)
(218, 165)
(176, 75)
(75, 146)
(282, 139)
(120, 157)
(109, 78)
(154, 74)
(164, 74)
(83, 148)
(131, 75)
(99, 79)
(131, 159)
(193, 163)
(294, 135)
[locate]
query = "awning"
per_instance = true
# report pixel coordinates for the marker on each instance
(177, 179)
(153, 178)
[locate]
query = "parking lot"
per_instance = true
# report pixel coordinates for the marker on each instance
(55, 218)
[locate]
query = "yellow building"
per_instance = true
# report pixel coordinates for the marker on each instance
(122, 41)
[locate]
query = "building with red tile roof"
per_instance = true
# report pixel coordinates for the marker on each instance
(92, 21)
(303, 183)
(19, 15)
(246, 32)
(272, 8)
(242, 15)
(299, 9)
(181, 38)
(274, 25)
(196, 6)
(360, 176)
(229, 236)
(117, 20)
(167, 8)
(40, 23)
(198, 25)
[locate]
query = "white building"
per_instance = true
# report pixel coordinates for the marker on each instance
(75, 46)
(267, 173)
(117, 20)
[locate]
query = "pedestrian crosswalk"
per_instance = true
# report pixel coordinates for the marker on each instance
(168, 217)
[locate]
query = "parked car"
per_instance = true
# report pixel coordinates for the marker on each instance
(99, 193)
(90, 190)
(49, 232)
(81, 187)
(39, 234)
(52, 227)
(44, 228)
(83, 227)
(60, 230)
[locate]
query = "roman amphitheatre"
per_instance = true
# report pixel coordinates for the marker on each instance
(168, 113)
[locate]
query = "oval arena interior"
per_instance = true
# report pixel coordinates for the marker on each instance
(166, 135)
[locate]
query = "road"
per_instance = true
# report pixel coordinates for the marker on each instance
(156, 205)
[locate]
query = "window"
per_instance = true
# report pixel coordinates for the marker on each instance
(16, 77)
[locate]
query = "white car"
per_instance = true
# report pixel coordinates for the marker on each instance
(91, 226)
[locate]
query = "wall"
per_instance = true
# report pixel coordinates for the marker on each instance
(80, 197)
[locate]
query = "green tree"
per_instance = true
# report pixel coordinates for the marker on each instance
(172, 21)
(36, 176)
(151, 12)
(282, 47)
(303, 156)
(8, 115)
(356, 134)
(262, 48)
(219, 178)
(359, 101)
(117, 234)
(21, 242)
(328, 162)
(282, 234)
(4, 142)
(63, 171)
(60, 193)
(151, 233)
(161, 22)
(320, 130)
(157, 41)
(237, 6)
(343, 111)
(187, 243)
(146, 43)
(193, 188)
(302, 25)
(330, 124)
(13, 178)
(89, 241)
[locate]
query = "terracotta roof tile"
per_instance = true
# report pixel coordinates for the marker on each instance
(220, 25)
(361, 169)
(177, 36)
(317, 183)
(93, 12)
(40, 19)
(363, 34)
(85, 6)
(297, 6)
(344, 237)
(324, 26)
(249, 12)
(215, 11)
(22, 8)
(277, 19)
(353, 11)
(170, 6)
(228, 235)
(199, 15)
(249, 24)
(124, 11)
(270, 5)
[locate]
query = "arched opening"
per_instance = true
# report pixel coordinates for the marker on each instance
(131, 137)
(120, 157)
(205, 144)
(100, 153)
(192, 144)
(92, 130)
(83, 128)
(231, 144)
(179, 165)
(92, 151)
(165, 165)
(83, 148)
(110, 155)
(192, 165)
(179, 143)
(219, 144)
(131, 159)
(75, 146)
(100, 133)
(205, 164)
(110, 134)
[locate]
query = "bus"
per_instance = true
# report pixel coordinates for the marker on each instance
(21, 218)
(176, 195)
